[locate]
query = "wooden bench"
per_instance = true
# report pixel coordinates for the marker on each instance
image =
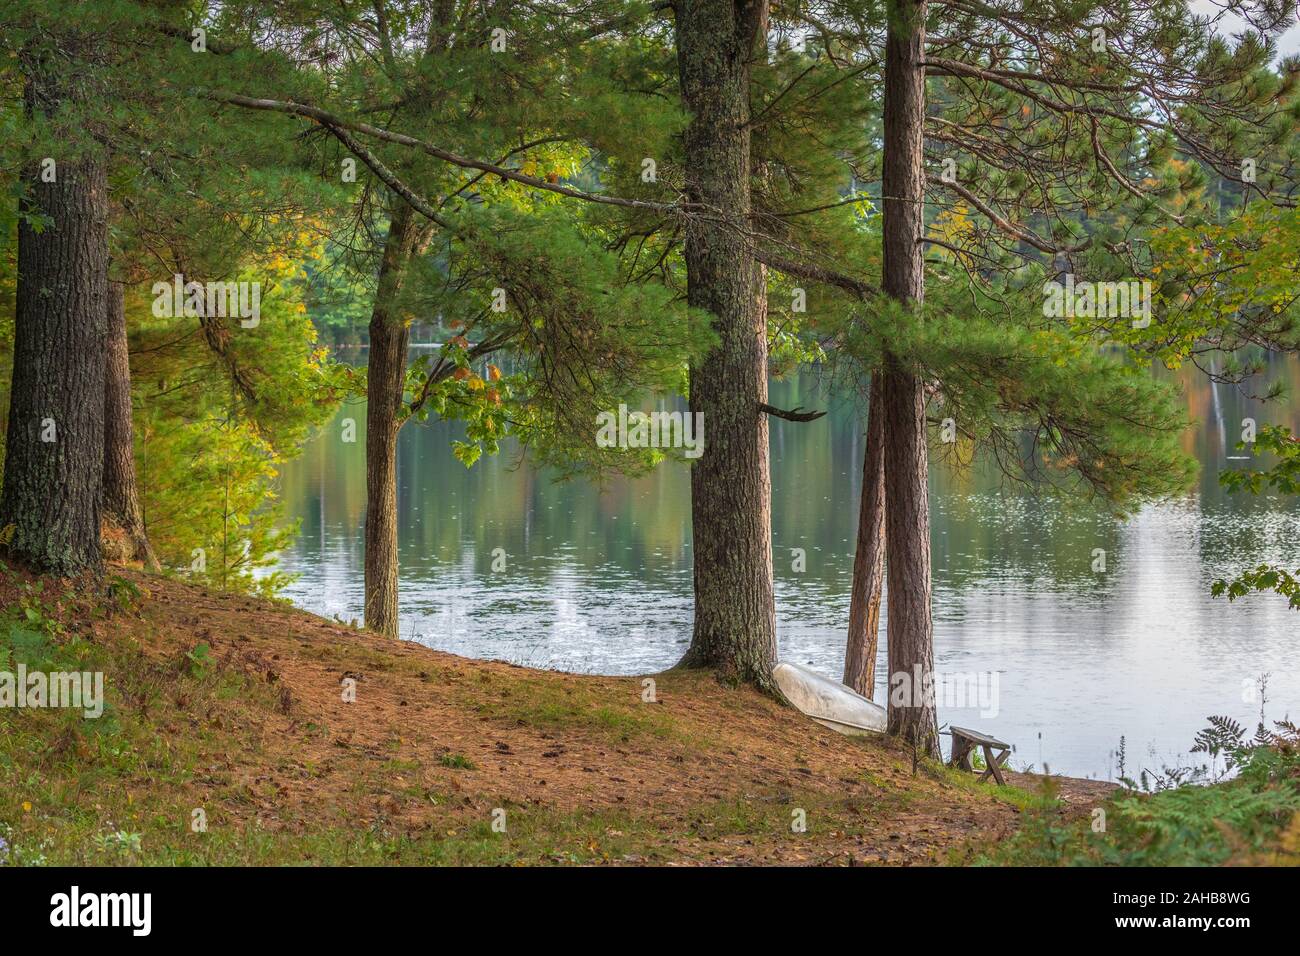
(964, 743)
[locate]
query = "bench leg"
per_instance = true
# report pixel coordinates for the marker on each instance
(993, 765)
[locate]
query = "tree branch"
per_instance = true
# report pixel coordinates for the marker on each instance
(335, 122)
(806, 270)
(795, 414)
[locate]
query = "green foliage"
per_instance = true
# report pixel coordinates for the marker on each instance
(1265, 577)
(1229, 283)
(582, 338)
(1244, 819)
(197, 190)
(208, 450)
(198, 661)
(125, 594)
(1045, 404)
(593, 316)
(119, 843)
(457, 762)
(31, 634)
(1282, 477)
(563, 101)
(1046, 158)
(337, 299)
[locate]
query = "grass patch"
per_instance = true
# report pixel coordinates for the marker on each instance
(552, 706)
(1043, 799)
(457, 762)
(100, 791)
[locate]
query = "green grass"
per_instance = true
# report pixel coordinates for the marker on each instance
(549, 706)
(97, 791)
(1043, 799)
(531, 836)
(457, 762)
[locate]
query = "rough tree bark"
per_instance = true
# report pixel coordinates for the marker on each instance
(54, 449)
(731, 492)
(869, 556)
(907, 530)
(386, 366)
(121, 500)
(385, 381)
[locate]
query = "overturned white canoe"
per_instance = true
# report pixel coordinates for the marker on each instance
(828, 701)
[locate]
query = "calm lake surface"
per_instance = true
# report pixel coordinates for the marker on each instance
(598, 580)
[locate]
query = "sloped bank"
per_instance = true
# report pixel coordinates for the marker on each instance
(237, 730)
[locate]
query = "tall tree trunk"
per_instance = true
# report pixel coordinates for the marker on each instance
(385, 380)
(54, 450)
(386, 365)
(731, 490)
(869, 556)
(907, 531)
(121, 501)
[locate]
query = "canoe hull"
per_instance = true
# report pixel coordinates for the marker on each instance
(829, 702)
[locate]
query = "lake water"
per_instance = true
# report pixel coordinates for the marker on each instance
(598, 580)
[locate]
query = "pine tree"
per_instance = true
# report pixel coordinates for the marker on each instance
(731, 490)
(1055, 136)
(110, 104)
(458, 247)
(50, 505)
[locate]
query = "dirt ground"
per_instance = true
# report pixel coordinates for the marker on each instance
(434, 743)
